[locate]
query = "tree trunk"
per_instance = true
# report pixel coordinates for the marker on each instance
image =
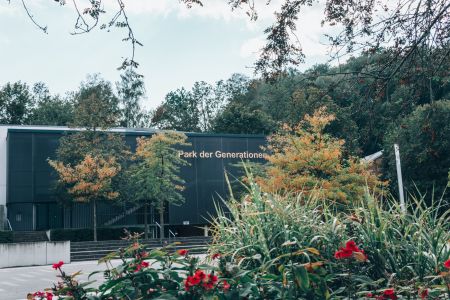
(161, 219)
(146, 220)
(94, 213)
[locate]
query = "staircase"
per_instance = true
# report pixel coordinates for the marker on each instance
(80, 251)
(29, 236)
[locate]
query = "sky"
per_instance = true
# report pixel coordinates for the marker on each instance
(181, 45)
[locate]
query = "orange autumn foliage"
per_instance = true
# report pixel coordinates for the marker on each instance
(90, 178)
(306, 159)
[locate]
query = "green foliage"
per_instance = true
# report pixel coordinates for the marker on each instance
(52, 111)
(87, 234)
(6, 237)
(16, 102)
(237, 118)
(156, 174)
(178, 112)
(131, 90)
(96, 106)
(196, 109)
(405, 251)
(424, 140)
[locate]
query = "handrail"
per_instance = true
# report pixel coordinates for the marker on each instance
(9, 224)
(170, 231)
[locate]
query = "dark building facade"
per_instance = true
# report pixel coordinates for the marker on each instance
(31, 202)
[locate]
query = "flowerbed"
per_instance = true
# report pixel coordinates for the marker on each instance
(161, 274)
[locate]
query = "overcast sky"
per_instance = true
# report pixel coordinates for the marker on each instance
(181, 45)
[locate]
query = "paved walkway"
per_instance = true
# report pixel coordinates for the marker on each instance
(16, 283)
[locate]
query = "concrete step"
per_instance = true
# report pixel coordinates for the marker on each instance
(81, 251)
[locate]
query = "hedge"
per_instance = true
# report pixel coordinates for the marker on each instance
(87, 234)
(6, 237)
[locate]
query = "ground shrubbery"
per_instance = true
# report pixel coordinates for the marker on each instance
(268, 234)
(290, 247)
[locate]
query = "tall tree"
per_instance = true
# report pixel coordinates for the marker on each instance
(131, 90)
(424, 140)
(96, 110)
(52, 111)
(89, 181)
(156, 172)
(179, 111)
(16, 103)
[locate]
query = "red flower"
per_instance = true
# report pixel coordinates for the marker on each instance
(216, 255)
(207, 281)
(41, 295)
(447, 264)
(142, 265)
(225, 285)
(58, 265)
(390, 294)
(423, 293)
(343, 253)
(350, 250)
(351, 245)
(182, 252)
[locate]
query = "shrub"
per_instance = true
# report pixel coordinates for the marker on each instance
(306, 159)
(87, 234)
(405, 251)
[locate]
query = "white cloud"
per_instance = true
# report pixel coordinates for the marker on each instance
(213, 9)
(252, 47)
(8, 8)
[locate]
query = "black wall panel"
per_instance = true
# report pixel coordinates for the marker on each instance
(30, 180)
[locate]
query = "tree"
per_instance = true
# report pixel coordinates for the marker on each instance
(156, 172)
(179, 111)
(306, 159)
(16, 103)
(424, 140)
(89, 181)
(96, 106)
(237, 118)
(131, 90)
(96, 154)
(52, 111)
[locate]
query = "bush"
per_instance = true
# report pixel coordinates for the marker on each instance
(6, 237)
(264, 233)
(87, 234)
(306, 159)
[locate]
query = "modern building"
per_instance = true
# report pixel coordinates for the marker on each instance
(29, 202)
